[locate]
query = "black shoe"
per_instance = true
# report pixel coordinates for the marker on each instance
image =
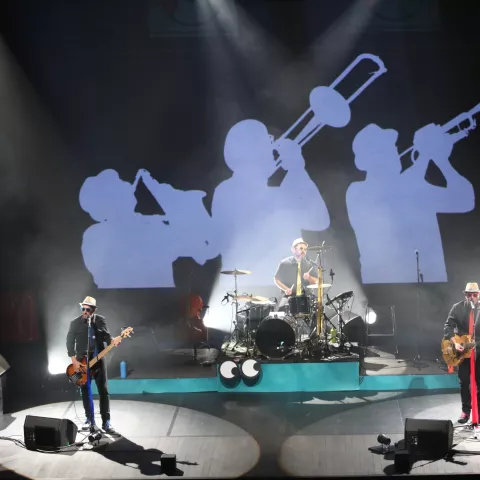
(107, 427)
(464, 417)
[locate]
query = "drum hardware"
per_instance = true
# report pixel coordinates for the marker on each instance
(341, 300)
(320, 307)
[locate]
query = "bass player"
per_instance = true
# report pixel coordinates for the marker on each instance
(77, 341)
(458, 324)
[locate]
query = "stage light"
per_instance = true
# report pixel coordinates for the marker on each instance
(384, 446)
(251, 371)
(229, 373)
(56, 367)
(370, 317)
(95, 437)
(384, 440)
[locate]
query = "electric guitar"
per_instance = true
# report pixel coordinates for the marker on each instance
(451, 355)
(80, 378)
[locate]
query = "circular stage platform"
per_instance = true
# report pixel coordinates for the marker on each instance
(231, 435)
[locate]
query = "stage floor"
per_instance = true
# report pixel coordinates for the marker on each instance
(231, 435)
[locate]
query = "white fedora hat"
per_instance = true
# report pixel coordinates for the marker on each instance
(472, 287)
(89, 301)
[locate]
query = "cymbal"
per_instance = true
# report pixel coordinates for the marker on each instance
(320, 247)
(236, 272)
(247, 298)
(343, 297)
(264, 302)
(315, 286)
(258, 300)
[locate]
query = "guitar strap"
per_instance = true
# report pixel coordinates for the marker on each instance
(473, 378)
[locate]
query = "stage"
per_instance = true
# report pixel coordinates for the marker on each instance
(379, 370)
(233, 434)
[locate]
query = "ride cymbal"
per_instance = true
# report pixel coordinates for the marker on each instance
(236, 272)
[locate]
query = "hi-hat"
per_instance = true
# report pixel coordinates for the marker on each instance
(236, 272)
(320, 247)
(315, 285)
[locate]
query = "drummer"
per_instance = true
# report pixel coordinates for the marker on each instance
(294, 273)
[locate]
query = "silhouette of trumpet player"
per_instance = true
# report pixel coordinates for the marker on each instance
(394, 214)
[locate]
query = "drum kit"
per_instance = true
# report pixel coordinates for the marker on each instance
(262, 329)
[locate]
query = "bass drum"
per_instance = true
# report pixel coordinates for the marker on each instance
(275, 336)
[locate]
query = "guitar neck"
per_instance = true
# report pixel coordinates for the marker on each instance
(94, 360)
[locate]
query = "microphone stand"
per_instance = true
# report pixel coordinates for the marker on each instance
(416, 360)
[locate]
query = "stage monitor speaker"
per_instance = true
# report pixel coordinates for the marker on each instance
(44, 433)
(354, 329)
(429, 438)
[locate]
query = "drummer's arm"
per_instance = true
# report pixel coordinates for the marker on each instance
(311, 279)
(280, 284)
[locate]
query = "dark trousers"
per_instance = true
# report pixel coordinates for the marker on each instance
(282, 304)
(101, 381)
(464, 378)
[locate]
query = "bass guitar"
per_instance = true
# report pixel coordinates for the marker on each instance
(80, 378)
(451, 355)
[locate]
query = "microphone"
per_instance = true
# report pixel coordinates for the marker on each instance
(225, 298)
(416, 253)
(332, 273)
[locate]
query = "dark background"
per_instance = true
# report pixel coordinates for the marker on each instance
(96, 84)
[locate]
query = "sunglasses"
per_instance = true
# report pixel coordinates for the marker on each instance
(474, 295)
(86, 309)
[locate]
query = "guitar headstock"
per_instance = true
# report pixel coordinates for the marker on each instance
(126, 332)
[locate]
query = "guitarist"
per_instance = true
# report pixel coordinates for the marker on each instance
(458, 323)
(77, 339)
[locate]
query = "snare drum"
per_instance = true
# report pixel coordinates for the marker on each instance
(299, 306)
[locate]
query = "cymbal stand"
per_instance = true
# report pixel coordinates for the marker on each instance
(341, 322)
(236, 330)
(321, 316)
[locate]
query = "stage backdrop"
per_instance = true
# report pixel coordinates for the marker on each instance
(147, 146)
